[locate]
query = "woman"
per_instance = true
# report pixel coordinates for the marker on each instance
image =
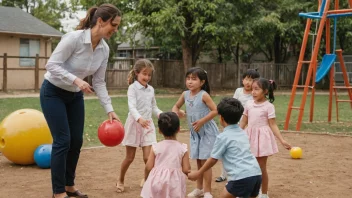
(79, 54)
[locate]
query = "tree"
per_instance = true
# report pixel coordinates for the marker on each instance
(190, 21)
(48, 11)
(278, 27)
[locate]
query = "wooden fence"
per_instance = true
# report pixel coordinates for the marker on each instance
(6, 69)
(168, 73)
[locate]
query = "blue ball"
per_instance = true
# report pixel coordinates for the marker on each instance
(42, 155)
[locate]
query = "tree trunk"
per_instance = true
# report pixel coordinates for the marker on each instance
(277, 55)
(219, 54)
(186, 55)
(277, 49)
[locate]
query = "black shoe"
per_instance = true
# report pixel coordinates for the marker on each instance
(77, 193)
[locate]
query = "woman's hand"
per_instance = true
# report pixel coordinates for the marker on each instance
(112, 116)
(83, 85)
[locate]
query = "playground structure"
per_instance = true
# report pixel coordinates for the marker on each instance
(314, 74)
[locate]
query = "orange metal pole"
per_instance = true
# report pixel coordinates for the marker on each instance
(298, 72)
(313, 65)
(336, 4)
(328, 49)
(344, 73)
(350, 2)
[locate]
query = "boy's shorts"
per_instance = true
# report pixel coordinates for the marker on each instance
(246, 187)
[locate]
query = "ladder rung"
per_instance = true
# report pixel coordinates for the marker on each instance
(297, 108)
(303, 86)
(341, 87)
(304, 61)
(343, 100)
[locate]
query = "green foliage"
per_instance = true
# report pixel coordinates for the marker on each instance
(50, 12)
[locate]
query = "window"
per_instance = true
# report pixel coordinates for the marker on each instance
(124, 53)
(28, 48)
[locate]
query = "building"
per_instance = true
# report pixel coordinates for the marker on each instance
(22, 35)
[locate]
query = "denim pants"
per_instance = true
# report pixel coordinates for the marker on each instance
(64, 113)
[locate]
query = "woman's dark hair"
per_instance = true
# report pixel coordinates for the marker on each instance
(168, 123)
(251, 73)
(269, 85)
(202, 75)
(105, 12)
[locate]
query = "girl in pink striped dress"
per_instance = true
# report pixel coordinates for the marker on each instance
(259, 115)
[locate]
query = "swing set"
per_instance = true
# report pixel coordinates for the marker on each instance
(314, 74)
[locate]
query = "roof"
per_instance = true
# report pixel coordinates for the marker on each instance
(16, 21)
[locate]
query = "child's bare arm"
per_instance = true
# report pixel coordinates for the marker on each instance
(211, 105)
(178, 105)
(186, 165)
(213, 112)
(208, 164)
(150, 164)
(244, 121)
(276, 131)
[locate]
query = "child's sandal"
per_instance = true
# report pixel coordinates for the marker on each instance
(120, 188)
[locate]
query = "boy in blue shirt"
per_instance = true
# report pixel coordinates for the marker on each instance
(232, 147)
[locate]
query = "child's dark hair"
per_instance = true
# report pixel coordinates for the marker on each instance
(230, 109)
(168, 123)
(202, 75)
(269, 85)
(251, 73)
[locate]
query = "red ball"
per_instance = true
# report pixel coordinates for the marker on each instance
(111, 134)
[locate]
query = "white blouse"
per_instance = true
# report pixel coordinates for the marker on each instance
(141, 101)
(74, 57)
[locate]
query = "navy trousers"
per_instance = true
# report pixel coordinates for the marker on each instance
(64, 113)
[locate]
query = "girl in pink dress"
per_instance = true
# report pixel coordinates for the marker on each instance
(262, 129)
(168, 163)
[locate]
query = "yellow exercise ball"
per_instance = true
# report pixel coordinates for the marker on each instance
(21, 133)
(296, 152)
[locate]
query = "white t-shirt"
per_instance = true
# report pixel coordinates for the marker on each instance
(242, 97)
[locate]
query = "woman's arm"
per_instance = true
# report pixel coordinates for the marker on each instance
(62, 52)
(99, 86)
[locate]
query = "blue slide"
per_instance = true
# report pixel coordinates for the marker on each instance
(325, 66)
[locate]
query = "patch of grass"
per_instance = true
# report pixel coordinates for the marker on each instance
(96, 115)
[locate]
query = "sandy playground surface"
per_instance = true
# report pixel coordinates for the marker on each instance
(324, 171)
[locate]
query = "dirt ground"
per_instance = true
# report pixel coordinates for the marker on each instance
(324, 171)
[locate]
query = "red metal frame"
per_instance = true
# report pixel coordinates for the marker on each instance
(324, 22)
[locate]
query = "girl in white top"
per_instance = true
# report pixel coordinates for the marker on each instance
(139, 126)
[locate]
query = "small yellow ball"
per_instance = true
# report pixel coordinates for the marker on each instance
(296, 152)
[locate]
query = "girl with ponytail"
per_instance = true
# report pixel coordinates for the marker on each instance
(139, 126)
(259, 117)
(79, 54)
(201, 110)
